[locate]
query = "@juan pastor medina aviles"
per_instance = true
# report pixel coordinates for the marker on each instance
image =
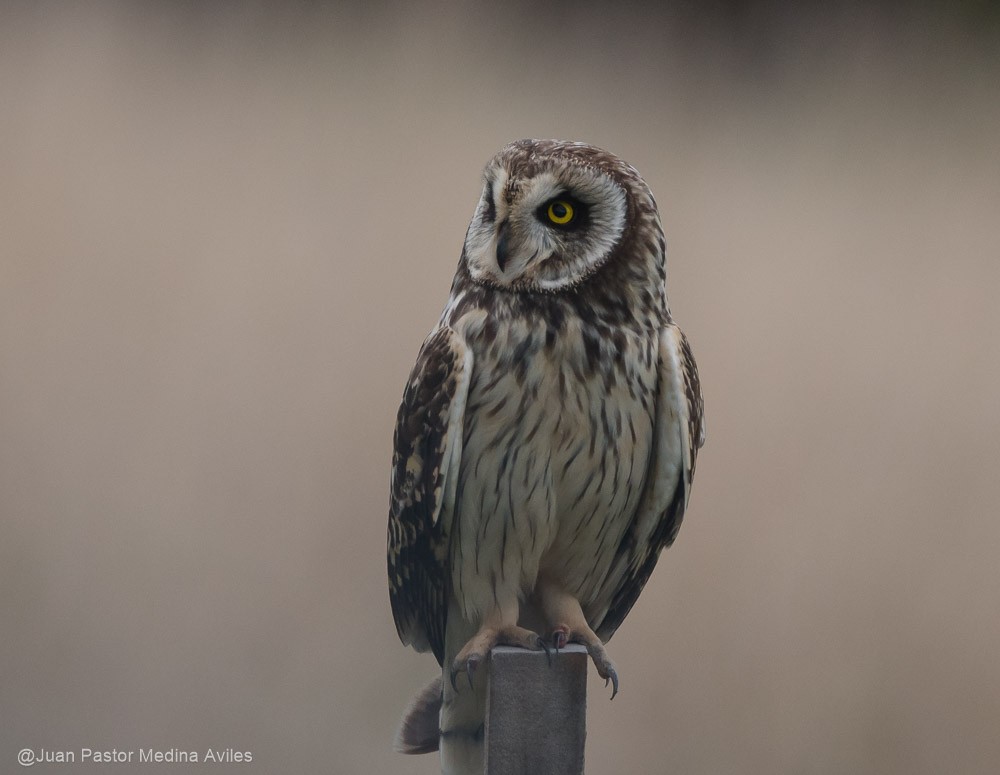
(136, 756)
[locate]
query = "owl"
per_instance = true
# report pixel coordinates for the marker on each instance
(546, 442)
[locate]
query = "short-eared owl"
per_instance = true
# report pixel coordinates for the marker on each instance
(546, 442)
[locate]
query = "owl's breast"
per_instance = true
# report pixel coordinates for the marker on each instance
(600, 444)
(556, 447)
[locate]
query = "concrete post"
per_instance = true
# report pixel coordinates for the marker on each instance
(536, 712)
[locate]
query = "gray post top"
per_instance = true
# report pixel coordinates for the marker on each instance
(536, 711)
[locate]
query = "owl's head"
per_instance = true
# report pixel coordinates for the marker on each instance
(552, 213)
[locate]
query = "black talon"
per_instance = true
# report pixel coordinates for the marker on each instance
(614, 683)
(471, 665)
(545, 648)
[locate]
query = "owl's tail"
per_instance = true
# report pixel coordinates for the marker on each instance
(461, 718)
(462, 725)
(463, 704)
(420, 731)
(448, 717)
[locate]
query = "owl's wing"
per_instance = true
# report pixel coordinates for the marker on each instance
(426, 456)
(679, 433)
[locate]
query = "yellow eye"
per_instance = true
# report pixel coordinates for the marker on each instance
(560, 212)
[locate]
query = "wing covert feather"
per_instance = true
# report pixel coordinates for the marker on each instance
(427, 449)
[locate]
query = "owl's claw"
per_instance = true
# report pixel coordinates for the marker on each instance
(563, 634)
(613, 678)
(478, 647)
(548, 653)
(560, 637)
(469, 668)
(605, 667)
(471, 665)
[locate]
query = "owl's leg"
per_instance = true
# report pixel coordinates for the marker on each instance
(499, 628)
(569, 625)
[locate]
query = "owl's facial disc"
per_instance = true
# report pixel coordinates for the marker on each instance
(546, 229)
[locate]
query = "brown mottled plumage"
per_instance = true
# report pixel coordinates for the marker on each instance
(546, 441)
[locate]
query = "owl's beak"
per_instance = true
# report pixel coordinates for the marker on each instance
(502, 242)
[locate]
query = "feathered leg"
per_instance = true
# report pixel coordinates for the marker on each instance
(463, 707)
(463, 710)
(569, 625)
(499, 629)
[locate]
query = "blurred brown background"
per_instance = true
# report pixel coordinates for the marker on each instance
(224, 233)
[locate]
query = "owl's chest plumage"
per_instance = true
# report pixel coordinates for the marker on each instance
(557, 437)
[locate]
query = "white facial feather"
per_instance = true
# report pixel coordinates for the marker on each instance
(542, 257)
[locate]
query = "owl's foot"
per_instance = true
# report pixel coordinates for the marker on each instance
(478, 648)
(569, 625)
(563, 634)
